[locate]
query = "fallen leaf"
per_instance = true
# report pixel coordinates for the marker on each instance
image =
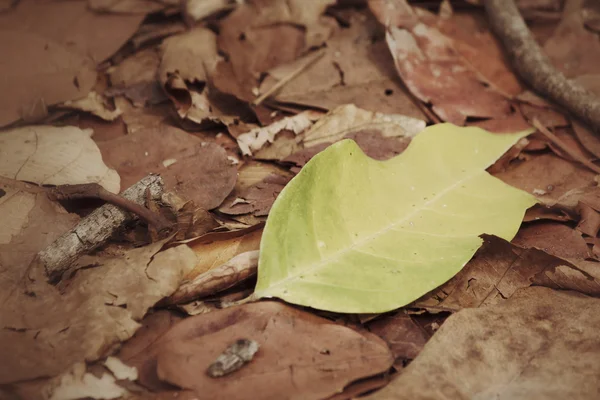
(45, 330)
(120, 370)
(184, 63)
(215, 249)
(77, 383)
(432, 70)
(32, 223)
(136, 78)
(573, 60)
(50, 155)
(404, 336)
(257, 199)
(234, 271)
(73, 25)
(142, 7)
(354, 68)
(327, 355)
(193, 169)
(553, 238)
(348, 118)
(589, 224)
(94, 104)
(547, 175)
(257, 138)
(520, 349)
(38, 73)
(196, 10)
(259, 35)
(306, 259)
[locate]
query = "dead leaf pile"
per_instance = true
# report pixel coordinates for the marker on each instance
(227, 101)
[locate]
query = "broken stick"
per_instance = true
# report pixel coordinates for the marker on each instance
(95, 229)
(535, 68)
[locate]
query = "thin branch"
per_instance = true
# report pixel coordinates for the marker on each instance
(535, 68)
(95, 229)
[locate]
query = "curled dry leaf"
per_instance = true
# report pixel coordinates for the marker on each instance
(216, 249)
(34, 79)
(47, 329)
(323, 356)
(50, 155)
(195, 10)
(257, 138)
(234, 271)
(77, 383)
(136, 78)
(520, 349)
(94, 104)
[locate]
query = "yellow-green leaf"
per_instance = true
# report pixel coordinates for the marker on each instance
(352, 234)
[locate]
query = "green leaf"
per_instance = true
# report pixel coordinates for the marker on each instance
(352, 234)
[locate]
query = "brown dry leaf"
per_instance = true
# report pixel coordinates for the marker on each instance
(185, 71)
(591, 15)
(525, 348)
(472, 39)
(404, 336)
(355, 68)
(586, 137)
(73, 25)
(547, 176)
(32, 222)
(500, 268)
(234, 271)
(130, 6)
(45, 330)
(50, 155)
(262, 34)
(573, 49)
(321, 356)
(258, 138)
(193, 169)
(553, 238)
(256, 199)
(434, 72)
(37, 73)
(215, 249)
(94, 104)
(589, 224)
(195, 10)
(136, 78)
(77, 383)
(347, 119)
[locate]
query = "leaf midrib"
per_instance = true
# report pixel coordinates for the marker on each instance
(358, 244)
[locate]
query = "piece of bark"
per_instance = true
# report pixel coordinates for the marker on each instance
(535, 67)
(95, 229)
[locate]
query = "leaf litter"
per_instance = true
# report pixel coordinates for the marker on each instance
(228, 101)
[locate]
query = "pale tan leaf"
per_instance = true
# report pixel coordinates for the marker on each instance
(50, 155)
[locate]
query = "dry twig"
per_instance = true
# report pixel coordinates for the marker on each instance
(535, 68)
(95, 229)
